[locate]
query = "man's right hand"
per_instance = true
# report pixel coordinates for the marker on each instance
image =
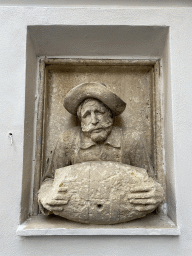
(50, 200)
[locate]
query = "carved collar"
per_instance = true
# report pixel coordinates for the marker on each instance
(114, 139)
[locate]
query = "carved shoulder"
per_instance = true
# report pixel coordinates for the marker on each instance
(131, 137)
(68, 138)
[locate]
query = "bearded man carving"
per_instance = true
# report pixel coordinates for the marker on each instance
(97, 139)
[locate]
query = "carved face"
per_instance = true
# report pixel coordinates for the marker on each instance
(96, 120)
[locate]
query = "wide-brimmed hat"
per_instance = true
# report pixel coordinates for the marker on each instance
(94, 90)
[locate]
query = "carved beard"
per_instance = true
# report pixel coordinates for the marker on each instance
(100, 136)
(100, 132)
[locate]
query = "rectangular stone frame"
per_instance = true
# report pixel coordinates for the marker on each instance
(156, 106)
(159, 224)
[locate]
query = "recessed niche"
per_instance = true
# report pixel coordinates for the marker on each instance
(138, 76)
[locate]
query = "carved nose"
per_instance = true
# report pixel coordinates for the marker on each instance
(94, 119)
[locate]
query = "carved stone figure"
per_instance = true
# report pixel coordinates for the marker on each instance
(99, 173)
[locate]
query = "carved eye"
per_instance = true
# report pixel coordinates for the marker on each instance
(87, 113)
(99, 112)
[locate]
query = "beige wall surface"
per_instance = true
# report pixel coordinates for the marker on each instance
(177, 109)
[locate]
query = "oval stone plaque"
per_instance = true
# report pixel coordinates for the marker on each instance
(98, 192)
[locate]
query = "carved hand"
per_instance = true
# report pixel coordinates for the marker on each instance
(147, 196)
(53, 200)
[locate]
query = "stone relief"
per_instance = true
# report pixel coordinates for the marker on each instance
(99, 173)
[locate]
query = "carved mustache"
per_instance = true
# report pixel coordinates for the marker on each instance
(92, 128)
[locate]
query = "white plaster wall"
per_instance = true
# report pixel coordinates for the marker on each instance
(13, 31)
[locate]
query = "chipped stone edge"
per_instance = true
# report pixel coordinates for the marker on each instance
(21, 231)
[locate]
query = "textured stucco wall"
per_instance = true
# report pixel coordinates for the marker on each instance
(13, 31)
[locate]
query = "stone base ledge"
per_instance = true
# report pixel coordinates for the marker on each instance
(55, 226)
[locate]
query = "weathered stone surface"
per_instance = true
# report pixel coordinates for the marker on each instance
(99, 192)
(133, 84)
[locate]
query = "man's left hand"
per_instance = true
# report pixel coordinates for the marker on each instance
(147, 196)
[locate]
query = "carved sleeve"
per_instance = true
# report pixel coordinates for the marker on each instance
(135, 152)
(60, 158)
